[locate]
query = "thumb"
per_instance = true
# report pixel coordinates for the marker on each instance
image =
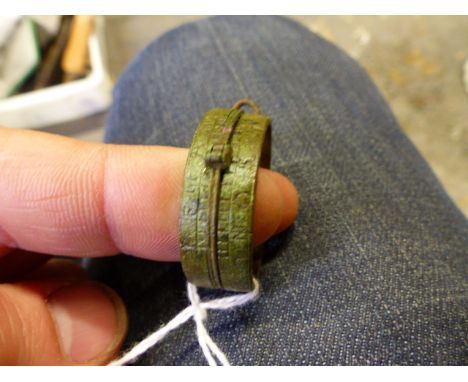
(55, 322)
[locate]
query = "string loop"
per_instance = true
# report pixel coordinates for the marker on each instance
(198, 310)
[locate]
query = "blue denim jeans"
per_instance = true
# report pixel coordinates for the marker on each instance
(374, 270)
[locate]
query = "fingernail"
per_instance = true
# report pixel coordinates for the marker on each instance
(90, 320)
(290, 200)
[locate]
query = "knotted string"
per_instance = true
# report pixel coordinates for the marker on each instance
(197, 309)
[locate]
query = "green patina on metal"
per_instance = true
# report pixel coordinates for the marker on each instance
(216, 216)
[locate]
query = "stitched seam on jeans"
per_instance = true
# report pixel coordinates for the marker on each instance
(223, 53)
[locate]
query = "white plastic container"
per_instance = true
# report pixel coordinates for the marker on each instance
(64, 102)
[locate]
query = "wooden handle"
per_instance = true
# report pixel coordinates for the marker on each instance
(75, 57)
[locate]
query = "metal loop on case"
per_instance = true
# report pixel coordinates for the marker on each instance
(248, 102)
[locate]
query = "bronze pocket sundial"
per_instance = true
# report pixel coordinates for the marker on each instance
(216, 216)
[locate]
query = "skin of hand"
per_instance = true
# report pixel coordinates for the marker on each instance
(60, 196)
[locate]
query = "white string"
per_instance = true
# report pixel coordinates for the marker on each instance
(199, 311)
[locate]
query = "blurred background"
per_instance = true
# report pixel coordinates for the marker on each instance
(56, 74)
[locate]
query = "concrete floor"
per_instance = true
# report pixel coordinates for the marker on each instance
(417, 62)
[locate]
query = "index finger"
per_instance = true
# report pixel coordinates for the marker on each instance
(66, 197)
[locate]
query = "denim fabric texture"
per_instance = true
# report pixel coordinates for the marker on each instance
(374, 270)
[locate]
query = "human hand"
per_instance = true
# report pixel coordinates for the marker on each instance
(60, 196)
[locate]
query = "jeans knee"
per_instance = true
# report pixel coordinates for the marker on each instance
(217, 60)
